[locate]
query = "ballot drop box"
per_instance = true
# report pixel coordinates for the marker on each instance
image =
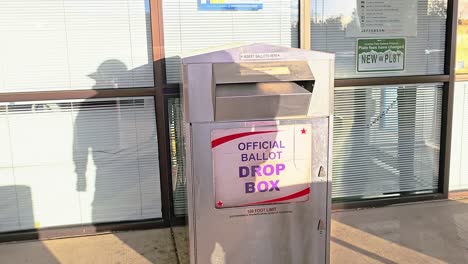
(258, 124)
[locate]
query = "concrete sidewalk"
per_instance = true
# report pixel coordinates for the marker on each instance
(431, 232)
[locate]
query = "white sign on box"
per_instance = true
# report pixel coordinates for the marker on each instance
(261, 165)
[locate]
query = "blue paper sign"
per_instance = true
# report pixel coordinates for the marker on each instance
(230, 5)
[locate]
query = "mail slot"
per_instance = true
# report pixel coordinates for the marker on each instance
(258, 129)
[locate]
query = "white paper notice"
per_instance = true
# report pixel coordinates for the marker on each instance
(387, 18)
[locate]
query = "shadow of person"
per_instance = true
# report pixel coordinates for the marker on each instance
(111, 74)
(16, 200)
(99, 153)
(115, 155)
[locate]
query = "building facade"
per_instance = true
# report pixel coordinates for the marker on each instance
(90, 114)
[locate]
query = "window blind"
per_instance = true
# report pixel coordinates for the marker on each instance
(187, 29)
(459, 151)
(74, 44)
(386, 140)
(424, 53)
(76, 162)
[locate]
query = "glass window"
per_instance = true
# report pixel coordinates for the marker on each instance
(176, 136)
(381, 38)
(100, 154)
(71, 45)
(386, 141)
(189, 27)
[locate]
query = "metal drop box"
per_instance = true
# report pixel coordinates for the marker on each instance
(258, 121)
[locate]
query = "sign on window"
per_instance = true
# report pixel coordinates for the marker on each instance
(230, 5)
(377, 55)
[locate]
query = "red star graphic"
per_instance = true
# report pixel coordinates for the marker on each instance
(220, 204)
(303, 131)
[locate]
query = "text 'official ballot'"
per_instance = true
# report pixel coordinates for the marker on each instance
(268, 165)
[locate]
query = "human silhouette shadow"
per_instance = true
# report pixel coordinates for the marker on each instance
(96, 140)
(107, 152)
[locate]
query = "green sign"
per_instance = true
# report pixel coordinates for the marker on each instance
(376, 55)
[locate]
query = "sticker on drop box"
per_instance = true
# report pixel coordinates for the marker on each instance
(377, 55)
(261, 56)
(261, 165)
(264, 70)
